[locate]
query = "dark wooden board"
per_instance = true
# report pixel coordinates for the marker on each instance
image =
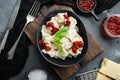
(94, 49)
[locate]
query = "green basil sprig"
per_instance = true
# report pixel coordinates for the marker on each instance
(58, 36)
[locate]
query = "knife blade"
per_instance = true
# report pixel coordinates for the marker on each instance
(10, 23)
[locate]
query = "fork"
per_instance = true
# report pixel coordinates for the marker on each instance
(30, 17)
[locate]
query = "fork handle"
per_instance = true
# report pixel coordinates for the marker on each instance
(12, 50)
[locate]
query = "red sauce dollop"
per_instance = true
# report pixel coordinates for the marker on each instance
(86, 5)
(41, 42)
(54, 29)
(66, 16)
(113, 25)
(76, 45)
(67, 22)
(47, 48)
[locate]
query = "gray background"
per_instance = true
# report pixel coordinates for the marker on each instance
(36, 61)
(6, 8)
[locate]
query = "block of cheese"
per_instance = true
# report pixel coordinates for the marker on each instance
(110, 69)
(118, 76)
(102, 77)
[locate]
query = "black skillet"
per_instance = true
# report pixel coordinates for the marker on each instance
(90, 11)
(82, 32)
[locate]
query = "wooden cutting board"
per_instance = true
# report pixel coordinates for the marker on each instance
(94, 49)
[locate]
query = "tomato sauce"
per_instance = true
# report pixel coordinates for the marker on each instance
(41, 42)
(76, 45)
(86, 5)
(67, 22)
(54, 29)
(113, 25)
(66, 16)
(47, 48)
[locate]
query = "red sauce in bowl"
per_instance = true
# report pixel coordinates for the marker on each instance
(86, 5)
(111, 26)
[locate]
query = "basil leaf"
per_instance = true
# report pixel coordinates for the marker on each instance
(58, 36)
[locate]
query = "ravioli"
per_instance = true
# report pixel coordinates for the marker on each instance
(68, 44)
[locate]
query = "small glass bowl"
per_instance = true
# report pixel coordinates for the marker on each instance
(36, 72)
(104, 26)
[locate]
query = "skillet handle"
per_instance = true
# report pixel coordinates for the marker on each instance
(95, 16)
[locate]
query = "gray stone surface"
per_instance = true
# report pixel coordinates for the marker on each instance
(36, 61)
(111, 47)
(6, 8)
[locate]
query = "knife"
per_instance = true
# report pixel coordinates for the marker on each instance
(10, 23)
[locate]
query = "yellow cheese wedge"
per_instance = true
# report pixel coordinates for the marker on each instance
(118, 76)
(102, 77)
(110, 69)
